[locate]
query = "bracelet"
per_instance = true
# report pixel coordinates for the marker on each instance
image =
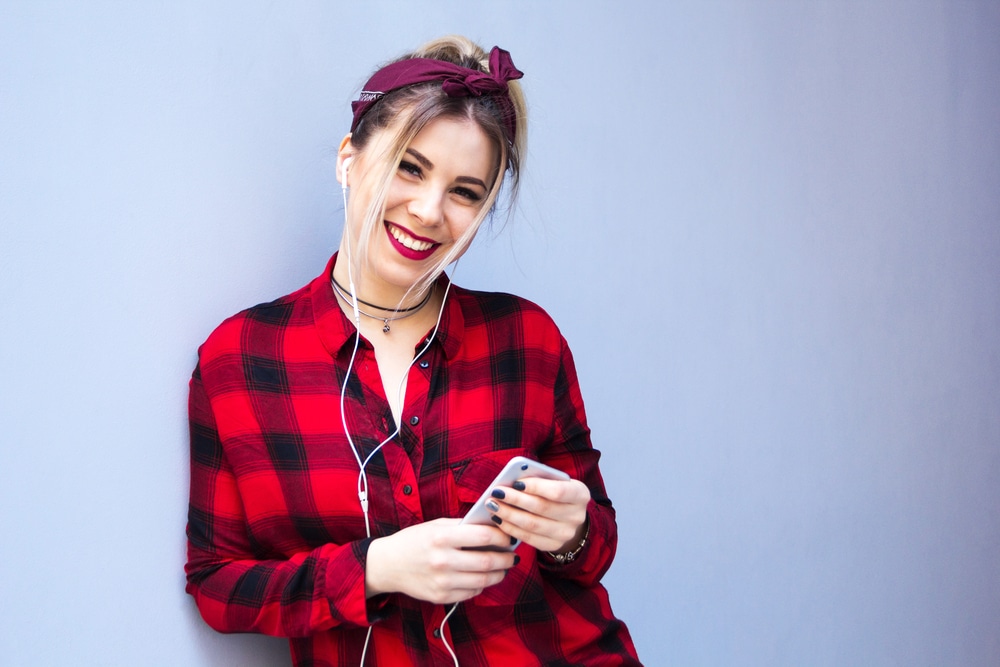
(570, 556)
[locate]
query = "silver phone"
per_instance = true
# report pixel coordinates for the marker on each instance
(517, 468)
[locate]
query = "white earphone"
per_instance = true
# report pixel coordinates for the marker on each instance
(343, 171)
(362, 461)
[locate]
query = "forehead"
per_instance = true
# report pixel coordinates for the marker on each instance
(466, 133)
(458, 139)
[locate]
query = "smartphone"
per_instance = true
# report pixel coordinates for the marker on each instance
(517, 468)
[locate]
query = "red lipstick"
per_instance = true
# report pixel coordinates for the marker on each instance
(409, 253)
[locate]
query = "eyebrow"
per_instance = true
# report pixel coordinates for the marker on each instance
(427, 164)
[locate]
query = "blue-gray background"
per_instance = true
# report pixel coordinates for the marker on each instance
(769, 231)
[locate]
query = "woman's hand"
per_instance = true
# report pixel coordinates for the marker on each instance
(432, 561)
(549, 515)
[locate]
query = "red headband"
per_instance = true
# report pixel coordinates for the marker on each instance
(456, 81)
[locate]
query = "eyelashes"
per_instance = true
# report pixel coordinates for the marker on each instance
(410, 168)
(415, 171)
(471, 195)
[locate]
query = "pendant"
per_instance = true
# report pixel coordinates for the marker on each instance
(385, 326)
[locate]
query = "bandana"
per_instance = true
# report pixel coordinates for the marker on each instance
(456, 81)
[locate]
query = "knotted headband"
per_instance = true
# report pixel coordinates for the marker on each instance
(456, 81)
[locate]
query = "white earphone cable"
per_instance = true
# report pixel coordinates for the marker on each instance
(362, 464)
(444, 640)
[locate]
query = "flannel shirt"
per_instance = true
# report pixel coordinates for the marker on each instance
(276, 536)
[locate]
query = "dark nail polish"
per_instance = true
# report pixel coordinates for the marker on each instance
(517, 559)
(513, 540)
(518, 485)
(498, 493)
(495, 519)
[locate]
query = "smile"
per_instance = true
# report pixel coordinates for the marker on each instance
(409, 241)
(408, 245)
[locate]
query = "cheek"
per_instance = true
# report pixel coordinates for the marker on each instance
(360, 204)
(395, 195)
(465, 223)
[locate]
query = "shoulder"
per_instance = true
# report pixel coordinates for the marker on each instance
(499, 312)
(484, 306)
(257, 323)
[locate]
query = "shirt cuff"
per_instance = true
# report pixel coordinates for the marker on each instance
(345, 586)
(588, 566)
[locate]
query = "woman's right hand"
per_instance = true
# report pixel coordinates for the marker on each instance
(430, 561)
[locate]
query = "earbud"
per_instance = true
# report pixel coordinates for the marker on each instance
(343, 171)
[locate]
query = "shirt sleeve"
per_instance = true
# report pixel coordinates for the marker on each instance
(234, 588)
(571, 450)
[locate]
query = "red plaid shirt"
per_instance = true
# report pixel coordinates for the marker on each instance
(276, 537)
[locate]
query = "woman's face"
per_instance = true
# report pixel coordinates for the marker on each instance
(436, 196)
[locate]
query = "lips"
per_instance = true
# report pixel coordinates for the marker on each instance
(408, 245)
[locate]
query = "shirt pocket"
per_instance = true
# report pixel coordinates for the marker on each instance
(472, 476)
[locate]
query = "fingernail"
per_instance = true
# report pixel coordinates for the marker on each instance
(492, 506)
(495, 519)
(517, 559)
(513, 540)
(498, 493)
(518, 485)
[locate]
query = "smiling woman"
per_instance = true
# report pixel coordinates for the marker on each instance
(433, 207)
(340, 433)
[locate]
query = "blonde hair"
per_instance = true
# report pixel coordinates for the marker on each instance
(386, 130)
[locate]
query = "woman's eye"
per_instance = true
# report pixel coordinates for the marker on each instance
(471, 195)
(409, 168)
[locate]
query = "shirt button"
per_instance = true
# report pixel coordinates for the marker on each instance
(425, 364)
(437, 633)
(414, 420)
(407, 489)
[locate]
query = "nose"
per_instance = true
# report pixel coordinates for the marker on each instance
(427, 205)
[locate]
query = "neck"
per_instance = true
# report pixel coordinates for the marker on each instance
(376, 294)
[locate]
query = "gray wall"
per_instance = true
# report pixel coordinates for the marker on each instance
(769, 231)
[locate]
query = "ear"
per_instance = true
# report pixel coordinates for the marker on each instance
(345, 154)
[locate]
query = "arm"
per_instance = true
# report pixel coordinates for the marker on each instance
(433, 561)
(235, 589)
(554, 516)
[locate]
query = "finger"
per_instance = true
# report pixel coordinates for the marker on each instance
(486, 562)
(518, 500)
(475, 581)
(444, 522)
(559, 491)
(537, 529)
(518, 523)
(472, 536)
(458, 585)
(536, 504)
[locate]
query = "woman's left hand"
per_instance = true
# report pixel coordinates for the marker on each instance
(550, 515)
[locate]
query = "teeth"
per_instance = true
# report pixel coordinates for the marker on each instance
(408, 240)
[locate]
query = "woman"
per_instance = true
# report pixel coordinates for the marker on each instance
(313, 515)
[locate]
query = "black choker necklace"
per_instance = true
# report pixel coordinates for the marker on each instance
(398, 313)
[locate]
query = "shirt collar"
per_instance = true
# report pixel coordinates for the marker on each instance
(336, 329)
(452, 329)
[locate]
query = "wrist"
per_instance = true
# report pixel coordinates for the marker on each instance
(568, 556)
(375, 583)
